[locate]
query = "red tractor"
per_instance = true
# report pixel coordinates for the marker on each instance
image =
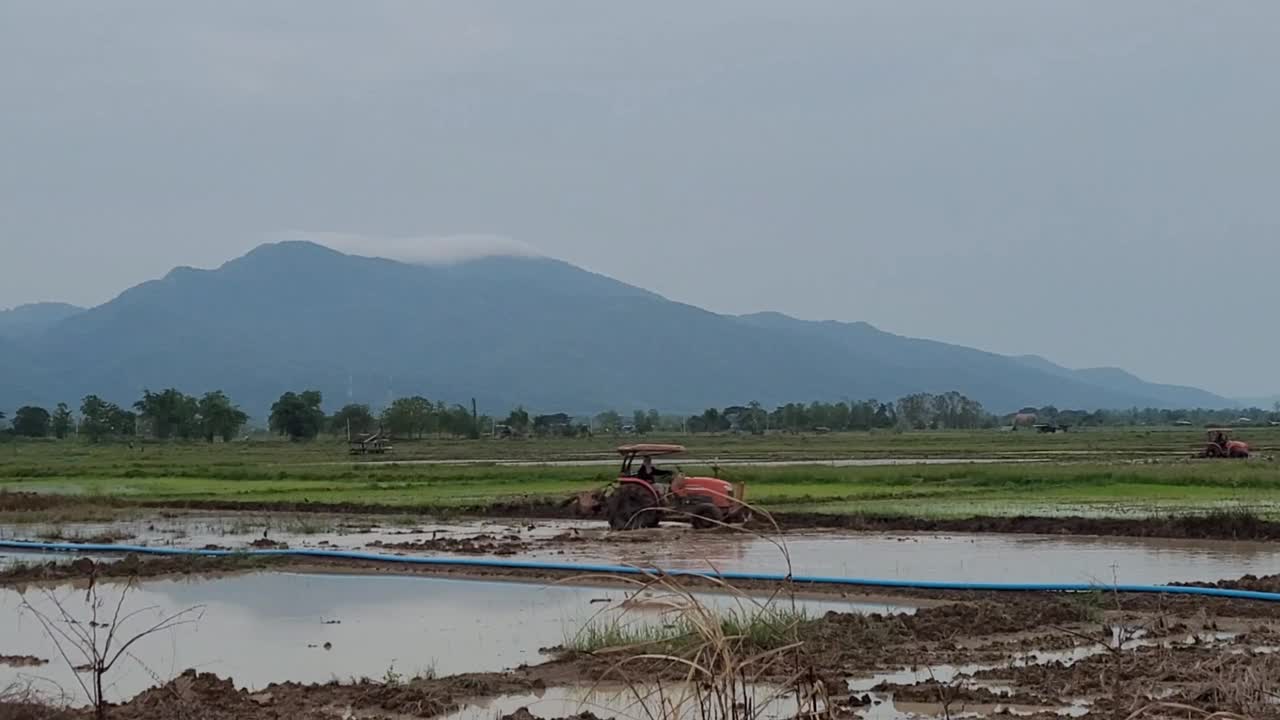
(638, 501)
(1221, 445)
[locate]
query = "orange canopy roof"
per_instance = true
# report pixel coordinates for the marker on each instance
(650, 449)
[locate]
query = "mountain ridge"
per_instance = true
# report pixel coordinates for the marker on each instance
(35, 317)
(507, 330)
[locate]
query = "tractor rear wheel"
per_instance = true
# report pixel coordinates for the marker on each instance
(706, 516)
(632, 507)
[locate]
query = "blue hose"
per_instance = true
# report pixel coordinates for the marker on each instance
(632, 570)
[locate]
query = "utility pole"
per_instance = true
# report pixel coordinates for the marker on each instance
(475, 420)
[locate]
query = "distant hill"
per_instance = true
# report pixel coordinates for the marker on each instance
(504, 330)
(1266, 403)
(33, 318)
(1122, 381)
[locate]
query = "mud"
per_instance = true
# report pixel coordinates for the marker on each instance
(981, 654)
(22, 661)
(482, 544)
(134, 566)
(1210, 526)
(1221, 525)
(209, 697)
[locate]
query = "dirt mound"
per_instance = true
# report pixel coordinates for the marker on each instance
(22, 661)
(483, 544)
(18, 501)
(933, 691)
(524, 714)
(1219, 525)
(209, 697)
(133, 566)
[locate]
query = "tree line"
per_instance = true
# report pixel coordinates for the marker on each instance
(168, 414)
(171, 414)
(1154, 417)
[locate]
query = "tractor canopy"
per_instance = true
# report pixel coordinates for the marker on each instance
(650, 449)
(630, 452)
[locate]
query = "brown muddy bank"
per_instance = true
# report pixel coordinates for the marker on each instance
(1218, 525)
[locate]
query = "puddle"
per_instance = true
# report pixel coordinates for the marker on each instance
(671, 702)
(347, 532)
(976, 557)
(883, 707)
(270, 627)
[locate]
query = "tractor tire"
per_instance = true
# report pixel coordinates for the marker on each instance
(1212, 451)
(706, 516)
(631, 507)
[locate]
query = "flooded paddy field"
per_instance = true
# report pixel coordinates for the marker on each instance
(971, 556)
(345, 640)
(269, 627)
(272, 643)
(314, 638)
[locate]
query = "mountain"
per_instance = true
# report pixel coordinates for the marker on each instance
(1266, 403)
(33, 318)
(505, 330)
(999, 381)
(1122, 381)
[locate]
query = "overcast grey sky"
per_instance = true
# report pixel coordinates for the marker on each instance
(1092, 181)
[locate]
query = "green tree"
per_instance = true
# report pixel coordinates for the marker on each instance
(95, 418)
(757, 418)
(457, 421)
(356, 418)
(100, 419)
(609, 422)
(916, 410)
(410, 417)
(31, 421)
(298, 416)
(120, 421)
(170, 413)
(218, 417)
(518, 421)
(62, 421)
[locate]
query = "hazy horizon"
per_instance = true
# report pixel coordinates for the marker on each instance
(1089, 183)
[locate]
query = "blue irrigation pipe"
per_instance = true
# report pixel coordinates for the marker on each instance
(589, 568)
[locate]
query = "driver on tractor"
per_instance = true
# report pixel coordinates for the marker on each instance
(648, 472)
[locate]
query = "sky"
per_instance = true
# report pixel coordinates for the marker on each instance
(1094, 182)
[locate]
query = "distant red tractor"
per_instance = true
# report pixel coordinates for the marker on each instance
(637, 502)
(1221, 445)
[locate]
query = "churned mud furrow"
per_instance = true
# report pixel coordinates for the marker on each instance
(1224, 525)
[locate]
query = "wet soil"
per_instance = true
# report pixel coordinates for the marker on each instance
(134, 566)
(209, 697)
(976, 650)
(1220, 525)
(482, 544)
(22, 661)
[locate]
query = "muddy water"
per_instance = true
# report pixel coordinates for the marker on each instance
(673, 701)
(270, 627)
(973, 557)
(297, 530)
